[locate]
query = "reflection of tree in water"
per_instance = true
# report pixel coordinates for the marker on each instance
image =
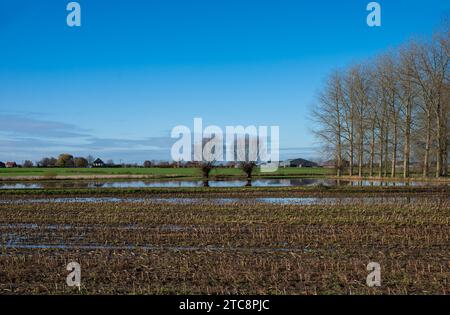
(304, 182)
(64, 184)
(82, 185)
(26, 185)
(297, 182)
(29, 185)
(48, 185)
(345, 183)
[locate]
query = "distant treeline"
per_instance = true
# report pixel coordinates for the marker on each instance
(391, 113)
(69, 161)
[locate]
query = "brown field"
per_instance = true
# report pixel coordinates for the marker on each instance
(240, 247)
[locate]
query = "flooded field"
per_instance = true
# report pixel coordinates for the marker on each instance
(205, 201)
(304, 182)
(238, 241)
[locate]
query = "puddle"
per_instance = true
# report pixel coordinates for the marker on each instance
(346, 200)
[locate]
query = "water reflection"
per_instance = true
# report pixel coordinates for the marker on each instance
(300, 182)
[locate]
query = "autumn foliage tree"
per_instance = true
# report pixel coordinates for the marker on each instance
(65, 160)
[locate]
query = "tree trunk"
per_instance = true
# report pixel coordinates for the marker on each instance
(339, 141)
(352, 151)
(407, 140)
(426, 159)
(372, 148)
(394, 150)
(445, 148)
(351, 159)
(339, 159)
(361, 153)
(380, 148)
(386, 150)
(439, 154)
(444, 130)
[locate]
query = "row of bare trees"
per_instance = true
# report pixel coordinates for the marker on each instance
(381, 117)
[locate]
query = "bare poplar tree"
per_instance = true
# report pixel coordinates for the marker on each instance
(328, 115)
(398, 104)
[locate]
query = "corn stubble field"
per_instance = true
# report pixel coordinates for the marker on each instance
(209, 247)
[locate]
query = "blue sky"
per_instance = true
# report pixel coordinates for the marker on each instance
(135, 69)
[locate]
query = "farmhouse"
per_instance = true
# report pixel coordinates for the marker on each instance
(300, 163)
(411, 164)
(2, 165)
(98, 163)
(332, 164)
(11, 164)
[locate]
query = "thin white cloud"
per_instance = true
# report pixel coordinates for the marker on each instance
(23, 137)
(19, 125)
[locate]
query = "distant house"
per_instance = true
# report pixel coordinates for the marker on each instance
(2, 165)
(300, 163)
(11, 164)
(332, 164)
(98, 163)
(411, 164)
(303, 163)
(329, 164)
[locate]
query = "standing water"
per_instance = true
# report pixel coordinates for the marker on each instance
(302, 182)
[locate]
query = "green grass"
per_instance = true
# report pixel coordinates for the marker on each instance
(156, 172)
(185, 173)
